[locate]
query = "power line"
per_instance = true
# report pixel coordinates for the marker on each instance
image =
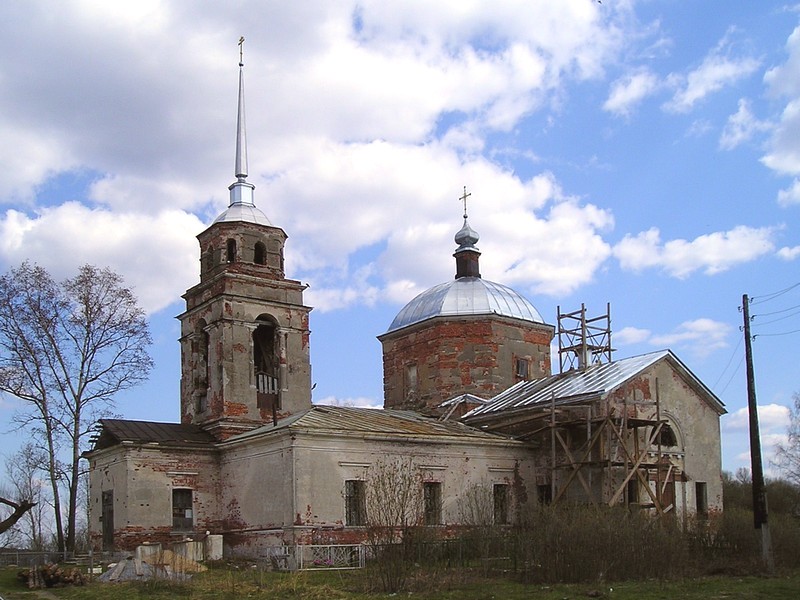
(738, 366)
(776, 312)
(721, 375)
(778, 319)
(775, 334)
(773, 295)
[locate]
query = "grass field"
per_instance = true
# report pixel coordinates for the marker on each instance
(227, 583)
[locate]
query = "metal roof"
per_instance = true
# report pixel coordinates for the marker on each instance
(572, 386)
(342, 419)
(117, 431)
(243, 211)
(466, 296)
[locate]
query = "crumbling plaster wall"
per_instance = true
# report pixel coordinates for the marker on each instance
(142, 480)
(231, 383)
(696, 423)
(257, 491)
(324, 463)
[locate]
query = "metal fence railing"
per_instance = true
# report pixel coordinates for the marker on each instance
(26, 558)
(303, 557)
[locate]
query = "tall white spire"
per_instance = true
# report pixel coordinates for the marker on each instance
(241, 190)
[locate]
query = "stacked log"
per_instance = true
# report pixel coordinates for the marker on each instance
(51, 575)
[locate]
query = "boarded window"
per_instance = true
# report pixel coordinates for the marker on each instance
(411, 380)
(432, 502)
(355, 502)
(500, 496)
(182, 510)
(701, 498)
(108, 520)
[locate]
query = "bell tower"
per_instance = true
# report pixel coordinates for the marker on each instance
(244, 333)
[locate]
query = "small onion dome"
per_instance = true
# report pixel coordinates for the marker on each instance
(466, 238)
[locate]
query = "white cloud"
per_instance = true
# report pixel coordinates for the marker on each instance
(630, 90)
(717, 71)
(784, 154)
(790, 195)
(787, 253)
(157, 256)
(631, 335)
(344, 101)
(782, 82)
(712, 253)
(701, 336)
(357, 402)
(741, 126)
(772, 418)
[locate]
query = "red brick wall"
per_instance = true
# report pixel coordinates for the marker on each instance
(466, 355)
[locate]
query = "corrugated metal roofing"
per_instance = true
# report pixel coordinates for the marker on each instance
(116, 431)
(466, 296)
(341, 419)
(595, 381)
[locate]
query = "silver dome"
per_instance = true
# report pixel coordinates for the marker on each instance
(242, 211)
(466, 296)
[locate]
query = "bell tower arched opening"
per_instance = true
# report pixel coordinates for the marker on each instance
(266, 363)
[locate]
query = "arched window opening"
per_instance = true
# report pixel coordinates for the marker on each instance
(666, 437)
(200, 368)
(265, 364)
(231, 251)
(260, 254)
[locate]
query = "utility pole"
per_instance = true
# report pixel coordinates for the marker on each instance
(756, 468)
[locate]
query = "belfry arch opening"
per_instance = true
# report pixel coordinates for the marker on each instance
(260, 254)
(266, 366)
(231, 250)
(201, 363)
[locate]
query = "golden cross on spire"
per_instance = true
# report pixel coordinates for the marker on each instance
(241, 50)
(464, 200)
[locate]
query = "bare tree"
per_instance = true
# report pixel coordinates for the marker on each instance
(18, 510)
(394, 505)
(788, 454)
(24, 470)
(66, 349)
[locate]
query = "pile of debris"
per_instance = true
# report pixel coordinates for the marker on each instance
(51, 575)
(163, 564)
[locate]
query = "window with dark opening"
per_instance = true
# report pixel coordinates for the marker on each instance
(633, 491)
(231, 251)
(265, 365)
(432, 502)
(544, 493)
(200, 346)
(182, 512)
(522, 369)
(666, 437)
(500, 498)
(701, 498)
(355, 512)
(260, 254)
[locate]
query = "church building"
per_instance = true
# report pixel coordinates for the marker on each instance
(469, 399)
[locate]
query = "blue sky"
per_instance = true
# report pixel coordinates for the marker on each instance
(643, 153)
